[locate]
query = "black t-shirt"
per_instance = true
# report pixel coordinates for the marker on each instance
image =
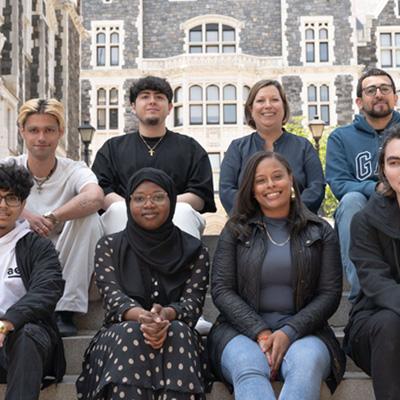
(180, 156)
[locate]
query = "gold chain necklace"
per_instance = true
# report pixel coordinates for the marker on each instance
(41, 181)
(152, 148)
(276, 243)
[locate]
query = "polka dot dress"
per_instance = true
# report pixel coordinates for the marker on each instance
(118, 363)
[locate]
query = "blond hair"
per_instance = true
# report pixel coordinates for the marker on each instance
(41, 106)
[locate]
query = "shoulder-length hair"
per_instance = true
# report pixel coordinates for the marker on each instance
(392, 133)
(252, 95)
(247, 207)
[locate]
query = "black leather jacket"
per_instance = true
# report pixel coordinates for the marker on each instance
(317, 283)
(42, 277)
(375, 251)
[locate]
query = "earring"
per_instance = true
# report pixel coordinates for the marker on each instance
(292, 193)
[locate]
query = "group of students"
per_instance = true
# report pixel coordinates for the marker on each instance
(276, 274)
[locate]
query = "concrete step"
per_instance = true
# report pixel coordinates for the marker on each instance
(355, 386)
(341, 316)
(62, 391)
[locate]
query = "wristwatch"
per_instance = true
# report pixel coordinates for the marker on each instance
(3, 328)
(50, 215)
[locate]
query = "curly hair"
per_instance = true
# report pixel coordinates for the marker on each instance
(15, 178)
(155, 83)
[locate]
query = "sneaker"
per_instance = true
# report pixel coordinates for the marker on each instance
(65, 323)
(203, 326)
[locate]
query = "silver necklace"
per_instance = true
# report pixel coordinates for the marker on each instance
(151, 148)
(41, 181)
(276, 243)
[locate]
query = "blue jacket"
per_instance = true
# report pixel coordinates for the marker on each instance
(352, 157)
(299, 152)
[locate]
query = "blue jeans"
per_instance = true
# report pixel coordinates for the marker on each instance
(350, 204)
(305, 365)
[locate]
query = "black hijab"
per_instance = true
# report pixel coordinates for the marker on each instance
(164, 253)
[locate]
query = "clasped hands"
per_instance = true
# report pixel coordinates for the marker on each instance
(154, 324)
(41, 225)
(274, 345)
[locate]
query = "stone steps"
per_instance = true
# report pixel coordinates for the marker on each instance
(355, 386)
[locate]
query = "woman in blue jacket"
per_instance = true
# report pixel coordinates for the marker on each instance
(267, 110)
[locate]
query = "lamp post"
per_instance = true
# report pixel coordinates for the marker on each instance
(317, 129)
(86, 131)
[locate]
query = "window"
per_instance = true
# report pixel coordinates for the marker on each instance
(245, 95)
(107, 45)
(317, 41)
(389, 49)
(107, 109)
(217, 103)
(178, 107)
(215, 160)
(212, 38)
(318, 102)
(212, 105)
(229, 104)
(196, 105)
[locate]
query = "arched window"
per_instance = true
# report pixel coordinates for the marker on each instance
(107, 108)
(101, 49)
(213, 37)
(318, 102)
(316, 41)
(212, 105)
(196, 105)
(178, 106)
(229, 104)
(108, 46)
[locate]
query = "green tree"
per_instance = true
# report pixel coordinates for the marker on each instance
(295, 126)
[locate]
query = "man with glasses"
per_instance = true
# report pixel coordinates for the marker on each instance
(30, 286)
(352, 157)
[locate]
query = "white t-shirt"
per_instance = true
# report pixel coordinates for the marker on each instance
(67, 181)
(11, 285)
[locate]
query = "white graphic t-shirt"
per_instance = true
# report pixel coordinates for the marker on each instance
(11, 285)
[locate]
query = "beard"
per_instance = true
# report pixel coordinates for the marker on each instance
(151, 121)
(380, 113)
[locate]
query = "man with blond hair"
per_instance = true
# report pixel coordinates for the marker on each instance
(62, 205)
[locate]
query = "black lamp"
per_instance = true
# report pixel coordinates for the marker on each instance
(86, 131)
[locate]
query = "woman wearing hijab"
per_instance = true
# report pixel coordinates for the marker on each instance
(153, 279)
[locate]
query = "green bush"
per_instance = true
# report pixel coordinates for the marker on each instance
(294, 126)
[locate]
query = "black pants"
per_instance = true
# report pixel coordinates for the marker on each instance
(375, 348)
(24, 361)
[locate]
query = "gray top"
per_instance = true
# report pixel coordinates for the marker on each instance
(276, 294)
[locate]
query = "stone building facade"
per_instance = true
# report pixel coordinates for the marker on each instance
(212, 52)
(39, 57)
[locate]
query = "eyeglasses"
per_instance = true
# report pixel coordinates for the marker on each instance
(11, 200)
(384, 89)
(155, 198)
